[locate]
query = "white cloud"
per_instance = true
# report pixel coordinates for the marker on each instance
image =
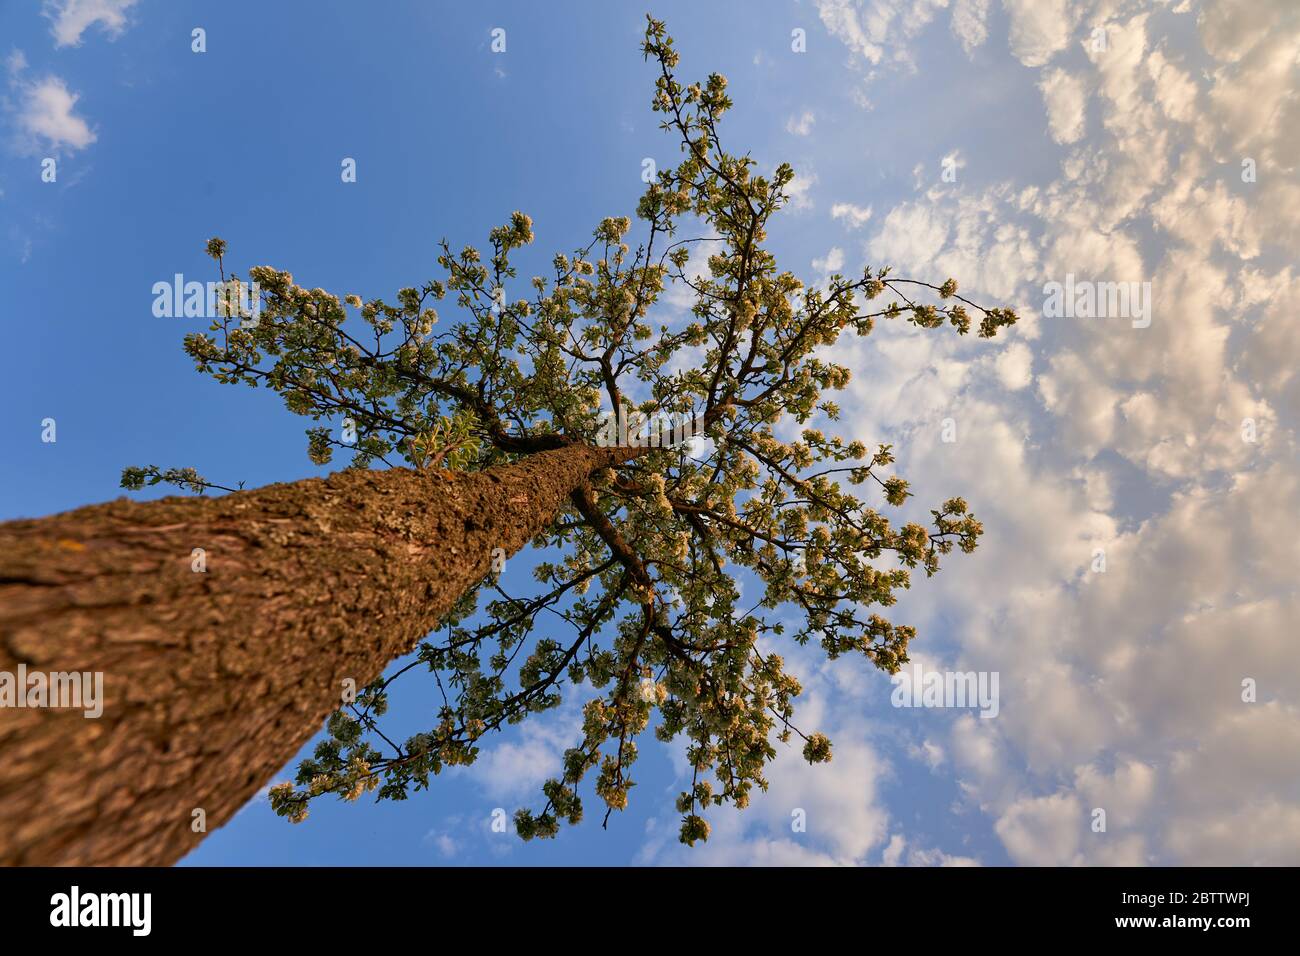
(894, 851)
(72, 18)
(927, 752)
(1039, 28)
(15, 63)
(802, 124)
(1015, 366)
(832, 262)
(854, 216)
(1043, 831)
(882, 31)
(46, 117)
(836, 807)
(1066, 101)
(936, 857)
(919, 856)
(443, 842)
(798, 190)
(969, 23)
(516, 769)
(1175, 90)
(912, 234)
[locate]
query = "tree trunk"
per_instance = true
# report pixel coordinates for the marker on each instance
(214, 679)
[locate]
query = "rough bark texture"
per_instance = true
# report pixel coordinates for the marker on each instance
(214, 680)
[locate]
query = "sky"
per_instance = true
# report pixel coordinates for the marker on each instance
(1135, 471)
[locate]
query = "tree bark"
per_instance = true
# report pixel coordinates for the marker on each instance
(213, 680)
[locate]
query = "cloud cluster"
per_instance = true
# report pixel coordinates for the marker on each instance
(1136, 587)
(44, 109)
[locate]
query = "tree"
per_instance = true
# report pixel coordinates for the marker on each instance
(649, 459)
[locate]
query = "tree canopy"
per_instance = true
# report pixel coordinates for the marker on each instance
(637, 606)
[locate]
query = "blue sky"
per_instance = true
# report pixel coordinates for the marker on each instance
(1122, 163)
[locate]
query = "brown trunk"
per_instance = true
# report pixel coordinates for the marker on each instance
(213, 680)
